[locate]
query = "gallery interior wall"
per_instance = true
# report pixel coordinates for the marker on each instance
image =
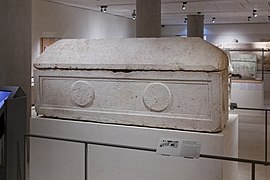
(62, 21)
(15, 46)
(221, 33)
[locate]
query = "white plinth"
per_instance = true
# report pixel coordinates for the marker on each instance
(51, 159)
(248, 93)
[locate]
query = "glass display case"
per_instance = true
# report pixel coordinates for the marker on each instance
(3, 96)
(244, 65)
(249, 60)
(12, 130)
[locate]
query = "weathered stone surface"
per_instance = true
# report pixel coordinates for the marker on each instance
(149, 95)
(190, 54)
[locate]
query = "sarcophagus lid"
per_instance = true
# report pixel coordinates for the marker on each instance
(175, 83)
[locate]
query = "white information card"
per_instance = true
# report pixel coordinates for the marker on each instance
(182, 148)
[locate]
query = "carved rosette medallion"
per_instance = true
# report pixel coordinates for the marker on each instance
(157, 97)
(82, 94)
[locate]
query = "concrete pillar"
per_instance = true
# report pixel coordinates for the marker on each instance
(148, 18)
(15, 45)
(195, 26)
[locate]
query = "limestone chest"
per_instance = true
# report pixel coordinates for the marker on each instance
(175, 83)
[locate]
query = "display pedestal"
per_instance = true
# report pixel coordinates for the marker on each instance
(50, 159)
(248, 93)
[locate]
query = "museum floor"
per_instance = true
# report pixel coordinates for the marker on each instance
(251, 145)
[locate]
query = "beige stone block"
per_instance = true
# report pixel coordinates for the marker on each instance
(143, 82)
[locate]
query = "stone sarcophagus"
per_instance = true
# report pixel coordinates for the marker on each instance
(174, 83)
(244, 65)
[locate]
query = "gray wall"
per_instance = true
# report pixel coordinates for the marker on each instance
(15, 44)
(63, 21)
(223, 33)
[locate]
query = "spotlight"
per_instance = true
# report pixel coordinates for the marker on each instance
(133, 15)
(254, 13)
(268, 18)
(185, 21)
(213, 20)
(103, 9)
(249, 17)
(184, 5)
(199, 13)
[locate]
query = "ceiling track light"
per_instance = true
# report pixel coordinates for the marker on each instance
(213, 20)
(184, 5)
(254, 13)
(103, 9)
(133, 15)
(249, 17)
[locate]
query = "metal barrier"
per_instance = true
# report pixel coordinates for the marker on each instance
(234, 106)
(86, 143)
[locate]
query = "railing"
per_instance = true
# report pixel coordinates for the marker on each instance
(234, 106)
(253, 163)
